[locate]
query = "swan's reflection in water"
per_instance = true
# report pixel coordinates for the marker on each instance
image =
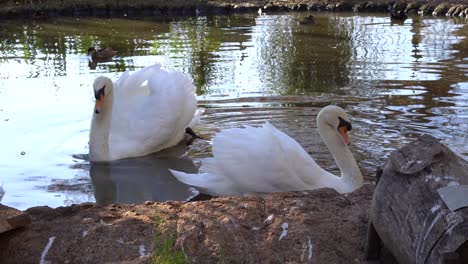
(2, 192)
(141, 179)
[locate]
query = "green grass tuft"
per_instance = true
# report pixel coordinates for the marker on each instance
(163, 246)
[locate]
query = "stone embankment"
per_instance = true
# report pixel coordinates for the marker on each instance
(43, 9)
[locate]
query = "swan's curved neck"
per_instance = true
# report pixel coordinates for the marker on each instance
(351, 176)
(100, 128)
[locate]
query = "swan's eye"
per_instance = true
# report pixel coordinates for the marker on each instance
(100, 92)
(344, 123)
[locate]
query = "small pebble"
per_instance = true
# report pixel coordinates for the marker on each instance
(88, 220)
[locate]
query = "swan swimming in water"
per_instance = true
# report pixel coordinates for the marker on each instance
(141, 113)
(264, 159)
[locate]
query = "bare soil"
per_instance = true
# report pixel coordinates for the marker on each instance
(319, 226)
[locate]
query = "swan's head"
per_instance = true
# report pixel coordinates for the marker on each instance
(335, 117)
(102, 88)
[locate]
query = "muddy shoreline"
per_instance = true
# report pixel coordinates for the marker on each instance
(159, 8)
(319, 226)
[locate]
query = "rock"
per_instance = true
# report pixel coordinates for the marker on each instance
(426, 9)
(440, 10)
(11, 218)
(455, 10)
(412, 8)
(451, 11)
(17, 9)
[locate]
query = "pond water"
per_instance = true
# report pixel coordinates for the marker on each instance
(397, 81)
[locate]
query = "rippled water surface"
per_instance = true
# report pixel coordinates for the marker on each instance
(397, 81)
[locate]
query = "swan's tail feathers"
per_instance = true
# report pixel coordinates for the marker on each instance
(206, 183)
(196, 117)
(182, 176)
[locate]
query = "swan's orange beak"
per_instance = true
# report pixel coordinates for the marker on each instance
(344, 135)
(99, 103)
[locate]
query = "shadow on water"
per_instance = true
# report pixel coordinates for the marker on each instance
(396, 80)
(141, 179)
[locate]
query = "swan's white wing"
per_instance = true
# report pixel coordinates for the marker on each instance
(259, 159)
(118, 83)
(131, 86)
(176, 97)
(196, 117)
(151, 111)
(253, 160)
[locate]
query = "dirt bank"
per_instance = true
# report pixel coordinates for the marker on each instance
(43, 9)
(318, 226)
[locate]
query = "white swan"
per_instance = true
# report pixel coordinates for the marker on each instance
(264, 159)
(140, 113)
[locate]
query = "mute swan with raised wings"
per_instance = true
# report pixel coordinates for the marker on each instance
(141, 113)
(264, 159)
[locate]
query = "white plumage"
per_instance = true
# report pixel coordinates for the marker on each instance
(141, 113)
(264, 159)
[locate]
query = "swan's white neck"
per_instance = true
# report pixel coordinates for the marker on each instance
(100, 128)
(351, 177)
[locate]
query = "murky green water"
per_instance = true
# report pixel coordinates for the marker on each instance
(397, 81)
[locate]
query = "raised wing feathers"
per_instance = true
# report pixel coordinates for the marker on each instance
(151, 100)
(253, 160)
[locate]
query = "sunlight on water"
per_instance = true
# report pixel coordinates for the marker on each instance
(397, 81)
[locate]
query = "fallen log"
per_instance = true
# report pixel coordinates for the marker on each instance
(419, 211)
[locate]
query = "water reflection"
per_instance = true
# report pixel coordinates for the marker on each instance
(2, 192)
(93, 63)
(396, 80)
(137, 180)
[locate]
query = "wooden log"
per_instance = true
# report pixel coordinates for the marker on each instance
(420, 205)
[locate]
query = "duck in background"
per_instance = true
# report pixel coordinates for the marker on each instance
(397, 15)
(308, 20)
(101, 54)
